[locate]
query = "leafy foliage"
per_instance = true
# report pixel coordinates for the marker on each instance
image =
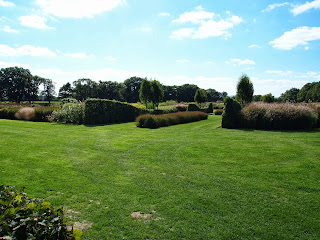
(231, 117)
(200, 96)
(70, 113)
(268, 98)
(102, 111)
(309, 92)
(157, 93)
(193, 108)
(244, 90)
(156, 121)
(290, 95)
(25, 218)
(145, 94)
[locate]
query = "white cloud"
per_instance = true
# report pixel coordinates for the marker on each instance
(197, 16)
(254, 46)
(242, 62)
(182, 33)
(296, 37)
(164, 14)
(279, 72)
(206, 25)
(182, 60)
(306, 7)
(6, 3)
(78, 55)
(8, 29)
(275, 5)
(13, 64)
(77, 8)
(210, 62)
(34, 21)
(26, 50)
(110, 58)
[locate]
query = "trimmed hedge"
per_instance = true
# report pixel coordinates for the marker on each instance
(231, 116)
(218, 112)
(281, 116)
(193, 108)
(156, 121)
(103, 111)
(25, 218)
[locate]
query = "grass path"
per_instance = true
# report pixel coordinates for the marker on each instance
(191, 181)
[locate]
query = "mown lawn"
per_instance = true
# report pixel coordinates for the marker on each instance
(191, 181)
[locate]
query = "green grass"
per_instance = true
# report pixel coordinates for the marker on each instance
(198, 181)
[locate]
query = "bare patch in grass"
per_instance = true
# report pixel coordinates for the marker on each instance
(82, 226)
(145, 216)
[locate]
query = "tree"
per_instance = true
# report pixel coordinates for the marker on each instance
(110, 90)
(200, 96)
(309, 92)
(186, 92)
(132, 89)
(66, 91)
(290, 95)
(48, 90)
(145, 92)
(244, 90)
(17, 84)
(85, 88)
(256, 98)
(267, 98)
(170, 93)
(156, 93)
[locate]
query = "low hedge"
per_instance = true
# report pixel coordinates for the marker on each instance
(281, 116)
(218, 112)
(103, 111)
(24, 218)
(36, 114)
(156, 121)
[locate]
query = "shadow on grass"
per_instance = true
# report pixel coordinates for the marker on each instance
(313, 130)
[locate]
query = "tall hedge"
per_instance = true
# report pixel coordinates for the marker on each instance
(103, 111)
(231, 116)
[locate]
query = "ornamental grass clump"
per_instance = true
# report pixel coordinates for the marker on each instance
(156, 121)
(70, 113)
(278, 116)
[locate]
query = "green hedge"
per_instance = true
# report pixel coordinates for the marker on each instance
(25, 218)
(231, 116)
(102, 111)
(156, 121)
(281, 116)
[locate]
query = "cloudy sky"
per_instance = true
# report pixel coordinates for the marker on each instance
(203, 42)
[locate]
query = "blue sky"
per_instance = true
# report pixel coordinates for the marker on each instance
(208, 43)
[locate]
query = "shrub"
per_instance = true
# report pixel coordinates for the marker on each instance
(156, 121)
(218, 112)
(69, 100)
(209, 109)
(193, 108)
(8, 113)
(282, 116)
(43, 114)
(70, 113)
(102, 111)
(25, 113)
(231, 116)
(25, 218)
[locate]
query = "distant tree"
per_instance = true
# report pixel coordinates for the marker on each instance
(186, 92)
(214, 96)
(156, 93)
(85, 88)
(244, 90)
(224, 95)
(170, 93)
(309, 92)
(110, 90)
(66, 91)
(145, 92)
(17, 84)
(290, 95)
(256, 98)
(48, 90)
(132, 89)
(267, 98)
(200, 96)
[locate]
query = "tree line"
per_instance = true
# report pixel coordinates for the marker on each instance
(18, 84)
